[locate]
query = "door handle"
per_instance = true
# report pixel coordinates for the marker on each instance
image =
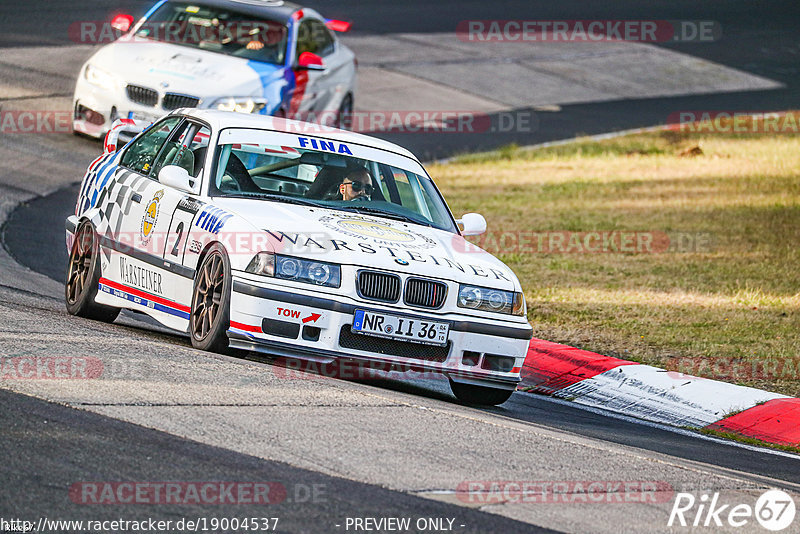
(136, 197)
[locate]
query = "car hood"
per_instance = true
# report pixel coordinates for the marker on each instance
(368, 241)
(183, 69)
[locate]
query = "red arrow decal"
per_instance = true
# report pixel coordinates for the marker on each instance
(312, 318)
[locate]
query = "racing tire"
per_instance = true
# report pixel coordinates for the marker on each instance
(480, 395)
(344, 117)
(211, 302)
(83, 277)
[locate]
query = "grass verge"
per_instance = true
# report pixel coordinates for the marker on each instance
(748, 440)
(717, 294)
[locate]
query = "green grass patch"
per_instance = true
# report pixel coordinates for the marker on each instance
(750, 441)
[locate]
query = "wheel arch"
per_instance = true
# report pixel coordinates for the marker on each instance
(205, 252)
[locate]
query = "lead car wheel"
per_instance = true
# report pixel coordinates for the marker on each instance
(83, 277)
(344, 117)
(480, 395)
(211, 298)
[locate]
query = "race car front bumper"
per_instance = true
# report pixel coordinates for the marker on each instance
(291, 324)
(95, 109)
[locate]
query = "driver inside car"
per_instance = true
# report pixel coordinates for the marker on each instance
(357, 185)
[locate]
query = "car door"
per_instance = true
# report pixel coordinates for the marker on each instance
(150, 228)
(195, 138)
(316, 88)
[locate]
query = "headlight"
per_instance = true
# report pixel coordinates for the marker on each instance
(288, 268)
(99, 77)
(493, 300)
(242, 104)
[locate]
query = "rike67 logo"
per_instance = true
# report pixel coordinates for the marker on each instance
(774, 510)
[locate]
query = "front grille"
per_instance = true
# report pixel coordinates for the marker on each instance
(392, 347)
(174, 101)
(142, 95)
(379, 286)
(425, 293)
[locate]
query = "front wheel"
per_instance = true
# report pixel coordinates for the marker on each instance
(480, 395)
(211, 298)
(83, 277)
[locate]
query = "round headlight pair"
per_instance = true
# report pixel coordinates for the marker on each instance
(291, 269)
(493, 300)
(474, 297)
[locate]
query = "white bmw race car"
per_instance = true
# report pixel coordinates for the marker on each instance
(252, 56)
(295, 240)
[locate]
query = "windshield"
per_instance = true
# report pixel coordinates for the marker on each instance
(335, 181)
(217, 30)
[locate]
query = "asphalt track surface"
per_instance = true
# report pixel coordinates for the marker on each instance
(58, 456)
(47, 447)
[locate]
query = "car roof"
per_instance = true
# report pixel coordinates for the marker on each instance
(230, 119)
(276, 10)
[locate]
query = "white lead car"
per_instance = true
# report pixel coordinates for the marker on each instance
(295, 240)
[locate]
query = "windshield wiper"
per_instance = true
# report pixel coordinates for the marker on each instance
(387, 214)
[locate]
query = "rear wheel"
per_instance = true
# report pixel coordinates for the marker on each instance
(480, 395)
(83, 277)
(211, 297)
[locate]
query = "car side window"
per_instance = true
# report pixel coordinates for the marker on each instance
(190, 158)
(142, 152)
(314, 37)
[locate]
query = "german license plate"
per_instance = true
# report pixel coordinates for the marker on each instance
(138, 115)
(402, 328)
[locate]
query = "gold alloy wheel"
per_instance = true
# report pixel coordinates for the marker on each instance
(208, 295)
(80, 263)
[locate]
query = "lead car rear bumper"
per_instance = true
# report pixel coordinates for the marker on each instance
(271, 321)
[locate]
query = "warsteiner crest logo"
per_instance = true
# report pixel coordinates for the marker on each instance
(150, 216)
(374, 229)
(367, 228)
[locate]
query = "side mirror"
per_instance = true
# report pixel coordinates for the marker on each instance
(176, 177)
(472, 224)
(310, 61)
(122, 22)
(338, 25)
